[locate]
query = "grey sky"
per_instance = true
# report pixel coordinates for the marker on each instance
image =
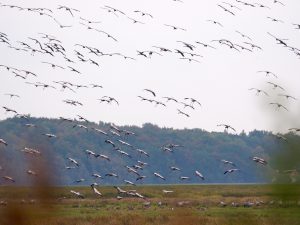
(220, 82)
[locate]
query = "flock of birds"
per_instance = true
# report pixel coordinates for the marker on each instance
(49, 46)
(115, 137)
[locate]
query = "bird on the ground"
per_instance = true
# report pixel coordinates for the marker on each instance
(167, 191)
(78, 194)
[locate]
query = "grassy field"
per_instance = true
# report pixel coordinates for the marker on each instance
(188, 205)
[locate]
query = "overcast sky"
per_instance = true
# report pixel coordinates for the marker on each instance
(221, 80)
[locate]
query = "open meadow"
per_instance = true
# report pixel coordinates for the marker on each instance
(188, 204)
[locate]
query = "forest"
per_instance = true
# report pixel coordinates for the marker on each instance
(187, 149)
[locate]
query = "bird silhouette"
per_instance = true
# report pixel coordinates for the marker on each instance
(278, 106)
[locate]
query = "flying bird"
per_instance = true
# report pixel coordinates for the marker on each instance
(7, 178)
(258, 91)
(193, 101)
(226, 10)
(226, 127)
(268, 73)
(13, 95)
(278, 105)
(70, 10)
(183, 113)
(143, 13)
(159, 176)
(73, 161)
(170, 99)
(231, 171)
(50, 135)
(276, 86)
(150, 91)
(198, 174)
(228, 162)
(95, 190)
(215, 22)
(287, 96)
(175, 27)
(3, 142)
(259, 160)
